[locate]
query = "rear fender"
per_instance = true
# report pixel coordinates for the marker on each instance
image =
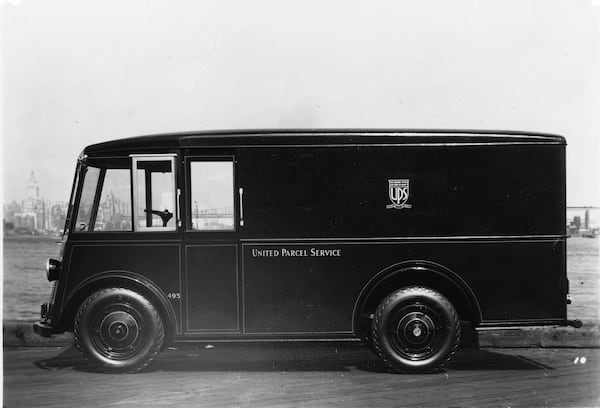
(416, 273)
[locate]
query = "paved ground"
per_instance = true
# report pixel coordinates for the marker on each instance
(307, 375)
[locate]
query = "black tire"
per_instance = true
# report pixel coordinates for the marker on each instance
(415, 329)
(118, 330)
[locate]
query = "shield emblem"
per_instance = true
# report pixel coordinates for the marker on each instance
(399, 192)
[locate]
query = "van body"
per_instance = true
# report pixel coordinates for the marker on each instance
(386, 236)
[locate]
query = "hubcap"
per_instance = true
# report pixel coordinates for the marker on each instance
(416, 328)
(117, 332)
(417, 331)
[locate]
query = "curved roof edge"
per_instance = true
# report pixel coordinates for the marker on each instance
(265, 137)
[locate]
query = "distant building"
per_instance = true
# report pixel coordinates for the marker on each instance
(33, 215)
(56, 216)
(583, 221)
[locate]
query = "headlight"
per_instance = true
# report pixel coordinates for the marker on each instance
(52, 269)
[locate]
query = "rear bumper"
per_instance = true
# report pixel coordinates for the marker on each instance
(575, 323)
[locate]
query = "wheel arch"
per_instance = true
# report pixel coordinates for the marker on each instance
(415, 273)
(123, 279)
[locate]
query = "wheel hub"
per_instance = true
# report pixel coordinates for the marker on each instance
(416, 328)
(416, 334)
(118, 330)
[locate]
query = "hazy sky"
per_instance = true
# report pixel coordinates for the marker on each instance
(80, 72)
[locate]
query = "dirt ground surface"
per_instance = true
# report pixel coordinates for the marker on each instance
(304, 375)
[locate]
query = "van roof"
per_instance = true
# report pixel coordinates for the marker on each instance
(320, 137)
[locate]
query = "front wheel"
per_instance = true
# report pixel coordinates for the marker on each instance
(415, 329)
(118, 330)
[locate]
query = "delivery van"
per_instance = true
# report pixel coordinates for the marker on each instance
(389, 237)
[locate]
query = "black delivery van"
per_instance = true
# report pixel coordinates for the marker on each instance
(387, 236)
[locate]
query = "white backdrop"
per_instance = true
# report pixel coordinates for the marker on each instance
(80, 72)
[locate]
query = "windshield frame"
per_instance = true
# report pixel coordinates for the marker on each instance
(74, 189)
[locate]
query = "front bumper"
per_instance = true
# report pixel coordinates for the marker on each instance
(42, 328)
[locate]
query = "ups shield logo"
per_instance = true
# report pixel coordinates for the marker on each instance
(399, 191)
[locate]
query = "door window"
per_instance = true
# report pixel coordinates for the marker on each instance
(114, 209)
(212, 195)
(154, 193)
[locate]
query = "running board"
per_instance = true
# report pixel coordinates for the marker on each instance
(576, 323)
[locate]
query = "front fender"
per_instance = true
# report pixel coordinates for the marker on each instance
(119, 278)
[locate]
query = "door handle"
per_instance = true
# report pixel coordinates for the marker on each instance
(179, 207)
(241, 191)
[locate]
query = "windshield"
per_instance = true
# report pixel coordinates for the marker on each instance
(101, 200)
(102, 196)
(86, 199)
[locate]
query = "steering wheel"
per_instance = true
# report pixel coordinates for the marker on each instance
(165, 215)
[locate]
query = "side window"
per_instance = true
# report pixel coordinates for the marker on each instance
(212, 195)
(154, 193)
(114, 210)
(86, 202)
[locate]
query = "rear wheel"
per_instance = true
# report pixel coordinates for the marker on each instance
(415, 329)
(118, 329)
